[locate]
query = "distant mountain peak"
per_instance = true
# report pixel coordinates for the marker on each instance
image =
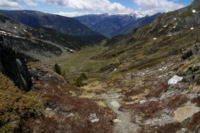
(111, 25)
(134, 14)
(138, 14)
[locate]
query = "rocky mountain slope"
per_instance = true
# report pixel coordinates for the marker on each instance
(112, 25)
(36, 99)
(61, 24)
(38, 42)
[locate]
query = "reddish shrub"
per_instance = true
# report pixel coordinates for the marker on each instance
(157, 92)
(134, 92)
(175, 102)
(169, 128)
(196, 100)
(194, 121)
(149, 109)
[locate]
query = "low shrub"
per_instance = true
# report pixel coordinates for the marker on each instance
(16, 106)
(80, 80)
(57, 69)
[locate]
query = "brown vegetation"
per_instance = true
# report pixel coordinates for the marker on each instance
(16, 106)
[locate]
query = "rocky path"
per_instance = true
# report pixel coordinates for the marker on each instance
(123, 122)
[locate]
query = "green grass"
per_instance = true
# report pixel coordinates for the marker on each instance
(138, 55)
(81, 61)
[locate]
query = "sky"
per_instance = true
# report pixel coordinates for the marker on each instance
(73, 8)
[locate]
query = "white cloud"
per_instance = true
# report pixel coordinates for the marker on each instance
(30, 2)
(83, 7)
(72, 14)
(76, 13)
(10, 4)
(15, 4)
(158, 5)
(100, 6)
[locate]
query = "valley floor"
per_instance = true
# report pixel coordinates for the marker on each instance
(145, 101)
(156, 95)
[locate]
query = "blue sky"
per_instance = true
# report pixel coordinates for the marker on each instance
(81, 7)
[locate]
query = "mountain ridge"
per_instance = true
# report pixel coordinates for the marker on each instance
(38, 42)
(112, 25)
(61, 24)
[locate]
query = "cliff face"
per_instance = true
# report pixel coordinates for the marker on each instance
(14, 66)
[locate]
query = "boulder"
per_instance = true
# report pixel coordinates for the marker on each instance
(174, 80)
(194, 51)
(187, 111)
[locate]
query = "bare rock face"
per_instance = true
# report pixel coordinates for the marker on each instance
(14, 66)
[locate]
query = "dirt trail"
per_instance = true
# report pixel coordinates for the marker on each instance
(124, 124)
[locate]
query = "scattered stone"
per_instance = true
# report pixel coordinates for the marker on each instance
(115, 70)
(192, 96)
(154, 38)
(169, 35)
(70, 115)
(143, 101)
(166, 110)
(183, 129)
(165, 26)
(19, 63)
(93, 118)
(115, 104)
(163, 120)
(128, 76)
(153, 99)
(48, 109)
(163, 68)
(116, 121)
(170, 93)
(49, 112)
(174, 80)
